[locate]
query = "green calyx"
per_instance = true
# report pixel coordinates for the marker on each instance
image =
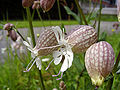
(98, 80)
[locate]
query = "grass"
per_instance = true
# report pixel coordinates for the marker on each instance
(24, 24)
(37, 23)
(109, 18)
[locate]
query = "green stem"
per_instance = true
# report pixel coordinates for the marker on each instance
(33, 40)
(117, 62)
(99, 19)
(30, 25)
(19, 34)
(80, 11)
(40, 17)
(33, 14)
(110, 82)
(58, 4)
(81, 73)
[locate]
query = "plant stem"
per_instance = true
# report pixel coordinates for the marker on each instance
(30, 25)
(19, 34)
(116, 64)
(33, 40)
(40, 17)
(81, 73)
(80, 11)
(99, 19)
(110, 82)
(58, 4)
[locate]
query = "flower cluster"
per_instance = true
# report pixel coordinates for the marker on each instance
(46, 5)
(53, 41)
(11, 33)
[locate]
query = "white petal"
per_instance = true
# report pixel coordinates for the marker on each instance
(29, 40)
(30, 49)
(64, 65)
(3, 50)
(38, 63)
(56, 54)
(57, 60)
(26, 44)
(69, 56)
(58, 32)
(45, 59)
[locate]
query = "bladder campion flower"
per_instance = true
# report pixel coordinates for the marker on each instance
(99, 61)
(36, 4)
(8, 26)
(27, 3)
(11, 33)
(64, 53)
(46, 5)
(81, 38)
(46, 44)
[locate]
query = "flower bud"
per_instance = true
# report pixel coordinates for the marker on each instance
(8, 26)
(99, 61)
(62, 85)
(36, 5)
(12, 34)
(46, 5)
(81, 38)
(27, 3)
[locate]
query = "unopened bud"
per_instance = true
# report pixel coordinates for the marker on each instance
(99, 61)
(36, 5)
(8, 26)
(46, 5)
(12, 35)
(27, 3)
(62, 85)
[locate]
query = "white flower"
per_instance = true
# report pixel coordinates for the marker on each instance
(65, 51)
(34, 54)
(3, 50)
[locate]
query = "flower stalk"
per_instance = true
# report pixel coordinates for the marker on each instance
(116, 64)
(40, 17)
(59, 12)
(19, 33)
(33, 40)
(30, 25)
(99, 19)
(81, 12)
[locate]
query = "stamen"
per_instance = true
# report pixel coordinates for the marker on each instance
(49, 64)
(27, 70)
(56, 75)
(60, 77)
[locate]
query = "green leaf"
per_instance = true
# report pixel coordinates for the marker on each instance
(78, 63)
(92, 15)
(69, 12)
